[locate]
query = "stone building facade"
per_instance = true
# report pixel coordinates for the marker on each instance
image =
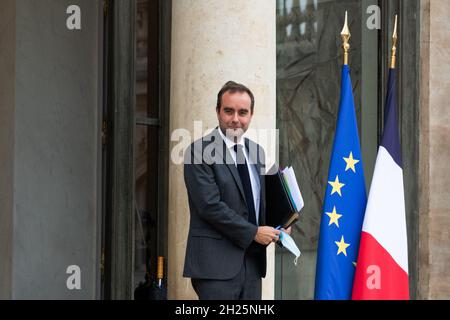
(88, 118)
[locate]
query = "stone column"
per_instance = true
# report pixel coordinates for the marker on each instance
(215, 41)
(434, 225)
(50, 150)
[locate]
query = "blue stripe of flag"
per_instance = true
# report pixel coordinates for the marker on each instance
(391, 140)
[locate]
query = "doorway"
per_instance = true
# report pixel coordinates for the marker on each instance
(136, 142)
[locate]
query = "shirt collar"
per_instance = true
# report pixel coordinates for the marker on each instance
(229, 143)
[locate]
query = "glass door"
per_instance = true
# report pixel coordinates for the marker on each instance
(146, 140)
(149, 143)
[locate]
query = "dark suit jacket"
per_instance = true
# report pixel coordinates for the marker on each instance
(219, 231)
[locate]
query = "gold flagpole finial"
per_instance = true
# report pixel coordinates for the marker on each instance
(394, 45)
(345, 34)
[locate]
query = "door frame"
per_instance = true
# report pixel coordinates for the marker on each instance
(119, 127)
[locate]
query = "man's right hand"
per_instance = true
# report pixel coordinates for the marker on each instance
(266, 235)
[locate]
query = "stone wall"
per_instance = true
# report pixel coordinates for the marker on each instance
(50, 104)
(434, 225)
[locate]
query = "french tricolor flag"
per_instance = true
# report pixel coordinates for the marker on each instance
(382, 265)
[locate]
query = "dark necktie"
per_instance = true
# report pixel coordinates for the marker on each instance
(241, 164)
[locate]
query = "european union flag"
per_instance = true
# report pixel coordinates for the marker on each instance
(344, 205)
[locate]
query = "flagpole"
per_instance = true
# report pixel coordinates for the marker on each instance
(345, 34)
(394, 45)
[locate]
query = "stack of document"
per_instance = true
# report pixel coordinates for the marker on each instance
(292, 188)
(283, 198)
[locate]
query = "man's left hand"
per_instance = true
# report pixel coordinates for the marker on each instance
(288, 230)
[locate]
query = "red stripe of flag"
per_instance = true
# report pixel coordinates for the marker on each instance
(378, 276)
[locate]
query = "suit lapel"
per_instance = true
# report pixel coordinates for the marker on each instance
(224, 154)
(221, 147)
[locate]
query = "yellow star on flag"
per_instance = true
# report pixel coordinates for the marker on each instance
(350, 162)
(342, 246)
(334, 217)
(336, 186)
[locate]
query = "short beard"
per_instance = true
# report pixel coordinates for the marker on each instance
(234, 134)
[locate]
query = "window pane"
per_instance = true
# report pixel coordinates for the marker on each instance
(141, 205)
(146, 141)
(142, 58)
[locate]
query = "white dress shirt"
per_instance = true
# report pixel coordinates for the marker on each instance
(252, 170)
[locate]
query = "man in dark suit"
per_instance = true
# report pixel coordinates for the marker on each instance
(223, 172)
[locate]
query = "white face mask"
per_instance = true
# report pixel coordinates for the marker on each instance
(288, 243)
